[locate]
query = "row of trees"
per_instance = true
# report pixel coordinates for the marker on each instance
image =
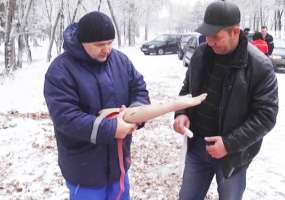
(25, 21)
(254, 14)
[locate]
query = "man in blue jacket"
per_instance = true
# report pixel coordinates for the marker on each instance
(88, 77)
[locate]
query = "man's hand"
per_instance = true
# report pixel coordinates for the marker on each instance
(123, 128)
(216, 147)
(180, 123)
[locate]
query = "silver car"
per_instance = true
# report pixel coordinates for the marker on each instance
(278, 55)
(194, 41)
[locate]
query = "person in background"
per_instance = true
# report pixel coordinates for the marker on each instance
(240, 109)
(257, 40)
(268, 38)
(88, 77)
(246, 31)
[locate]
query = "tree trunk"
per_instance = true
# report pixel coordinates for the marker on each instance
(99, 6)
(275, 20)
(9, 59)
(261, 14)
(20, 48)
(75, 11)
(21, 27)
(129, 30)
(28, 49)
(146, 27)
(131, 27)
(35, 42)
(60, 34)
(279, 21)
(115, 22)
(53, 35)
(48, 9)
(68, 12)
(125, 31)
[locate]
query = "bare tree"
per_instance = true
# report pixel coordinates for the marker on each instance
(59, 13)
(59, 38)
(147, 13)
(21, 32)
(99, 6)
(75, 11)
(49, 10)
(131, 24)
(115, 22)
(9, 44)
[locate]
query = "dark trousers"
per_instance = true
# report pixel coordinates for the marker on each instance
(199, 171)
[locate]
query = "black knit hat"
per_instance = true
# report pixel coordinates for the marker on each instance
(95, 26)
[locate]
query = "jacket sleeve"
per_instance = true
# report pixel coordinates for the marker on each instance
(137, 88)
(263, 110)
(270, 44)
(62, 100)
(185, 90)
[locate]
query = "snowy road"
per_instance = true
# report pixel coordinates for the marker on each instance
(29, 170)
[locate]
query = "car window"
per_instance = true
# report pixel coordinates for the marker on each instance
(172, 41)
(185, 38)
(190, 41)
(202, 39)
(193, 42)
(161, 38)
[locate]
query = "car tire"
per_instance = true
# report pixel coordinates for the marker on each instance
(180, 55)
(160, 52)
(185, 64)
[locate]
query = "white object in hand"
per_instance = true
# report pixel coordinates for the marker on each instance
(188, 132)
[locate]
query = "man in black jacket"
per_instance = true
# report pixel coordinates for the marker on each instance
(240, 108)
(268, 38)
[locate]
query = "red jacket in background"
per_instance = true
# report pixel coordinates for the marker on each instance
(261, 45)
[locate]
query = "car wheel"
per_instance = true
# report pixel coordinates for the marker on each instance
(180, 55)
(185, 64)
(160, 52)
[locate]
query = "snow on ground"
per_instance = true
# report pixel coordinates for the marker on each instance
(28, 156)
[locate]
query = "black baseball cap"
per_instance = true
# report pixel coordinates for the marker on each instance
(219, 15)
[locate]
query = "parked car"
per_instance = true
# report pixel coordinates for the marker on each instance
(194, 41)
(278, 55)
(162, 44)
(183, 41)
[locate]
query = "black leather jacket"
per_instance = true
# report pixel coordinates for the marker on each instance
(269, 41)
(249, 102)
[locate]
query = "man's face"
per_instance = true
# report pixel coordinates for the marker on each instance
(224, 42)
(263, 32)
(98, 50)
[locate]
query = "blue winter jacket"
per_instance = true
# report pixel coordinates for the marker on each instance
(76, 88)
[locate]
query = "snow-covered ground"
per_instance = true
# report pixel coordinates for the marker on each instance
(28, 156)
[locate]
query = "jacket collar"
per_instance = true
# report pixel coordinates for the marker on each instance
(236, 59)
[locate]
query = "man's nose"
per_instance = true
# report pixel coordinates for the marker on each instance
(107, 48)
